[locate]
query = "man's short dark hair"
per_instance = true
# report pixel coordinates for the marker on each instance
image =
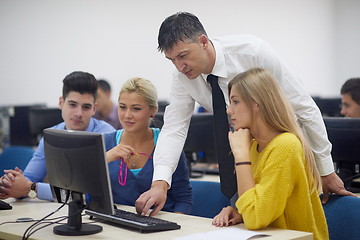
(352, 87)
(81, 82)
(180, 26)
(104, 85)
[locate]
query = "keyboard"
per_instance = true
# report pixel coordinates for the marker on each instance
(136, 221)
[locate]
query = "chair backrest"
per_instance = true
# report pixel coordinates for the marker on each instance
(15, 156)
(344, 135)
(208, 200)
(343, 217)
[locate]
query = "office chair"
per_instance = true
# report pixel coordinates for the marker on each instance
(344, 135)
(208, 200)
(15, 156)
(343, 217)
(201, 138)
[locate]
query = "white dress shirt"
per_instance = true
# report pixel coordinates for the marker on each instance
(235, 54)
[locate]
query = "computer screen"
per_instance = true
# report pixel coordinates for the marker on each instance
(41, 118)
(162, 105)
(200, 146)
(76, 163)
(329, 107)
(19, 122)
(344, 135)
(158, 120)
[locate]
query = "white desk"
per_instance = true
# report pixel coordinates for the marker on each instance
(207, 177)
(189, 224)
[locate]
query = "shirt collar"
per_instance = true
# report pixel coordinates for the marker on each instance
(219, 68)
(90, 128)
(91, 125)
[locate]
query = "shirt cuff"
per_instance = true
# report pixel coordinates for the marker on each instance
(164, 173)
(44, 192)
(325, 166)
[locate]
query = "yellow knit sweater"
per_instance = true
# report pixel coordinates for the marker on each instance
(281, 197)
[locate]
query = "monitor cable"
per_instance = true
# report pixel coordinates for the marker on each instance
(32, 228)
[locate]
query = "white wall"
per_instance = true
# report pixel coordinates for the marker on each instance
(42, 41)
(348, 39)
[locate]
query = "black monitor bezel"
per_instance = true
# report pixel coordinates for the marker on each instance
(103, 202)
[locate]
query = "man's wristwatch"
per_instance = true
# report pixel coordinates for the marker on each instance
(32, 193)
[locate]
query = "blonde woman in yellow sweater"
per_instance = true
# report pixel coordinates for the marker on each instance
(278, 182)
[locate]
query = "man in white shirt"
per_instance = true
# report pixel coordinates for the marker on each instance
(184, 41)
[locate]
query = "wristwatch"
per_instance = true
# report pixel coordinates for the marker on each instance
(32, 193)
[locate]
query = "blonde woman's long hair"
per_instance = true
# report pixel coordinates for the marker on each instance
(259, 85)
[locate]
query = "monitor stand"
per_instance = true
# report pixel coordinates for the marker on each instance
(74, 226)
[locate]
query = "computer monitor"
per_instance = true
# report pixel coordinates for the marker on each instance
(344, 135)
(158, 120)
(201, 135)
(76, 164)
(20, 125)
(200, 143)
(329, 107)
(162, 105)
(41, 118)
